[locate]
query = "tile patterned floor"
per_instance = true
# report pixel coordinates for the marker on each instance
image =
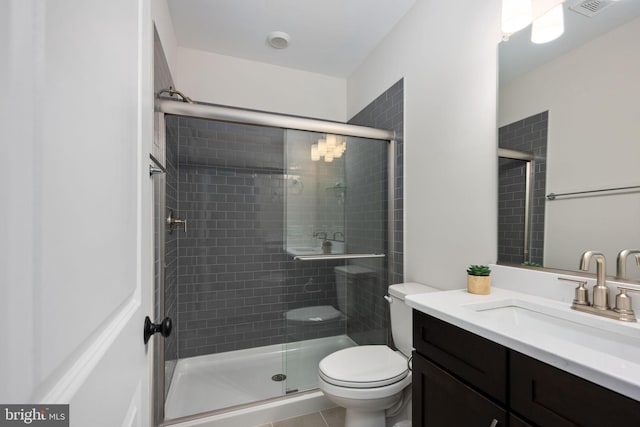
(333, 417)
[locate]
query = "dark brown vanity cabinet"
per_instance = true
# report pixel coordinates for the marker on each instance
(459, 378)
(463, 380)
(440, 399)
(549, 396)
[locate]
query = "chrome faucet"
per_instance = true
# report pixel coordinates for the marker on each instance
(622, 311)
(621, 271)
(600, 290)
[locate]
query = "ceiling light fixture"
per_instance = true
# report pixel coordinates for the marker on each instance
(329, 148)
(546, 17)
(278, 39)
(549, 26)
(516, 14)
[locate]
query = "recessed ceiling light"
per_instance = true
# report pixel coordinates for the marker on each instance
(278, 39)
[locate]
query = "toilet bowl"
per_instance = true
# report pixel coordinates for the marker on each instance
(368, 380)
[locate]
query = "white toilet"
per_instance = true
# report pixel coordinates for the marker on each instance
(368, 380)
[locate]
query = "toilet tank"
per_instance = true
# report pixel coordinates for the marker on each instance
(347, 276)
(401, 314)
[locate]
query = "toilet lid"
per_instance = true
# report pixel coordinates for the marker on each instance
(365, 366)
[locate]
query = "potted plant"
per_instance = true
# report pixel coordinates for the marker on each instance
(478, 279)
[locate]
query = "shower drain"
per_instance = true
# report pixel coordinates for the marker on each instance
(279, 377)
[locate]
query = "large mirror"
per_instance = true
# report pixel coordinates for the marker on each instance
(573, 106)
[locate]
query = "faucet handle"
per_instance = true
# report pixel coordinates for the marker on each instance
(581, 293)
(623, 304)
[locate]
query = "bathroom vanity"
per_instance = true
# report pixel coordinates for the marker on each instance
(462, 379)
(514, 359)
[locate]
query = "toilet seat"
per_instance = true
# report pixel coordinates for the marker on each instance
(367, 366)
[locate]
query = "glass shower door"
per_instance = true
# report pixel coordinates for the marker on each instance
(336, 245)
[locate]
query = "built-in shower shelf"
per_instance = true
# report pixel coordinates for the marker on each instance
(336, 256)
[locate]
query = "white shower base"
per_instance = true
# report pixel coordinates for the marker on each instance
(213, 382)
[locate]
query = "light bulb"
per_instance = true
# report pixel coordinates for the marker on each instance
(322, 147)
(516, 14)
(331, 142)
(549, 26)
(314, 152)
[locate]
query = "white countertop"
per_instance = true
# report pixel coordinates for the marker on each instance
(608, 355)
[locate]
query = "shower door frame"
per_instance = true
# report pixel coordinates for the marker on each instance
(260, 118)
(529, 160)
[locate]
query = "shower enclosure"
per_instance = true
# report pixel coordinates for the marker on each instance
(522, 166)
(275, 239)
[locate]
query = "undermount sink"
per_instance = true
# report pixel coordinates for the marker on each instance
(562, 324)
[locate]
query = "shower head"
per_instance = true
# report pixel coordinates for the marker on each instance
(171, 91)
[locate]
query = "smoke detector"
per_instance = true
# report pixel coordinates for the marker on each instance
(278, 39)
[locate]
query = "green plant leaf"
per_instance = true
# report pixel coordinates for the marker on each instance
(479, 270)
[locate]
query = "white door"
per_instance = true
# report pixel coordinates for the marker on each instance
(75, 236)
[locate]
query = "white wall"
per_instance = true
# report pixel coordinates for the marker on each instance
(592, 96)
(447, 53)
(162, 20)
(237, 82)
(225, 80)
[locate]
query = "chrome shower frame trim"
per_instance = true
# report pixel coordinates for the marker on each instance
(261, 118)
(158, 178)
(391, 213)
(172, 92)
(528, 158)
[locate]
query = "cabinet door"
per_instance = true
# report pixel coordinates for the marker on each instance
(517, 422)
(475, 359)
(440, 399)
(551, 397)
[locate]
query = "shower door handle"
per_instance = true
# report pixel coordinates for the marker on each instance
(150, 328)
(154, 170)
(155, 167)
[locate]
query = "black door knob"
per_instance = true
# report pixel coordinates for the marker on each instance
(163, 327)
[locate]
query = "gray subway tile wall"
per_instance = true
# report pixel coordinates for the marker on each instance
(385, 112)
(366, 210)
(528, 135)
(236, 282)
(171, 240)
(231, 264)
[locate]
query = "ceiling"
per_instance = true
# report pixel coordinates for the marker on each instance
(519, 55)
(330, 37)
(333, 37)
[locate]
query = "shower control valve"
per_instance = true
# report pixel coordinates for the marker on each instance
(172, 222)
